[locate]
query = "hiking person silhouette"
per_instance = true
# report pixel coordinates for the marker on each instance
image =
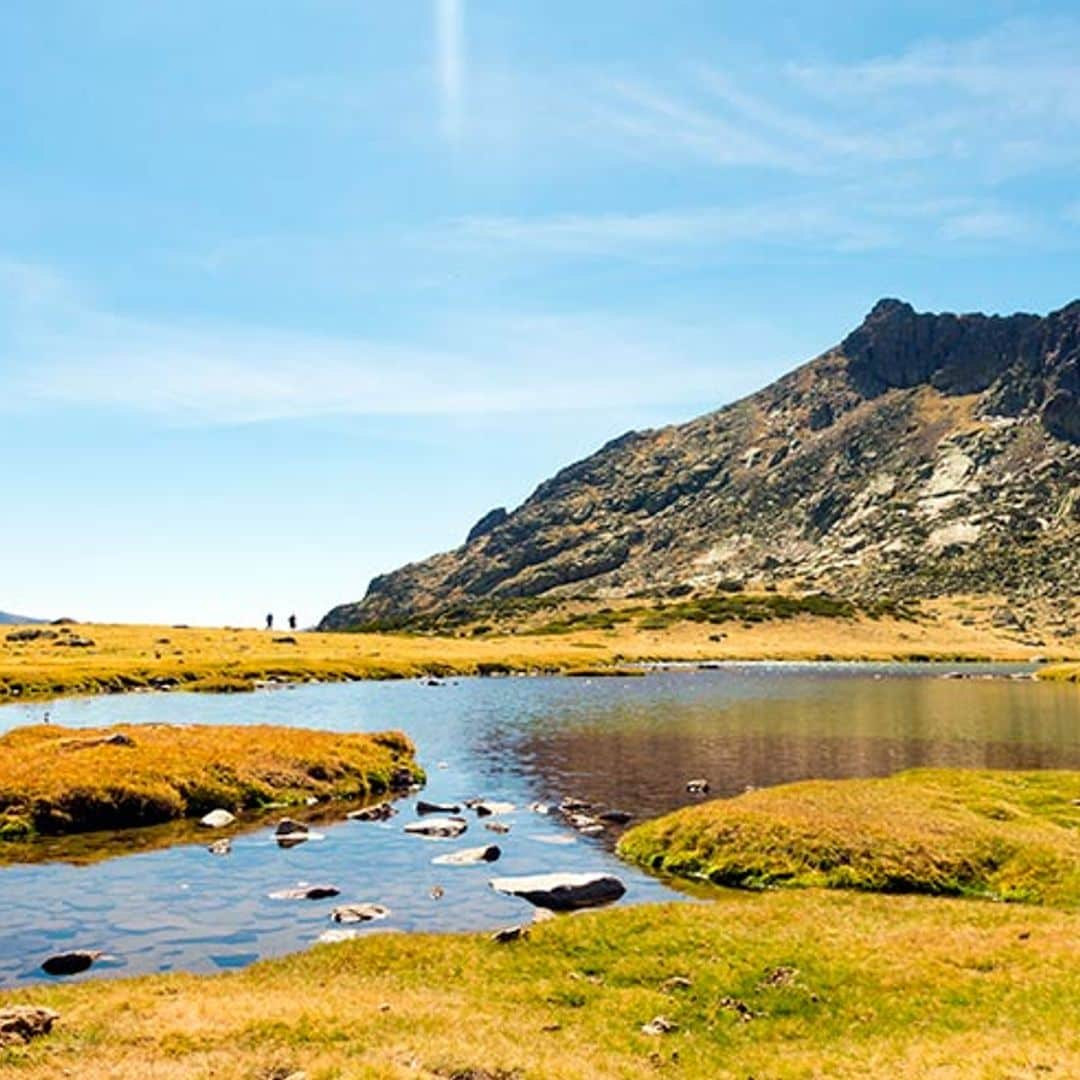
(270, 622)
(292, 622)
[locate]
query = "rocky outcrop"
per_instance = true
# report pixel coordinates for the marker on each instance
(924, 455)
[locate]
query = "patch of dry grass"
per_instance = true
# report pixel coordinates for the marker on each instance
(55, 780)
(1005, 835)
(782, 985)
(1061, 673)
(122, 658)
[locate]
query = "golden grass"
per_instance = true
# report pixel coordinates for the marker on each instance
(137, 657)
(1005, 835)
(836, 985)
(55, 780)
(1061, 673)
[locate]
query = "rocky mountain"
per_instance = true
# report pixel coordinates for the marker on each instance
(924, 455)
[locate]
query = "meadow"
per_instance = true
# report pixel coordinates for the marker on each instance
(784, 984)
(39, 662)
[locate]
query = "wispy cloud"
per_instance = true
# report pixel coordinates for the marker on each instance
(68, 352)
(450, 49)
(838, 222)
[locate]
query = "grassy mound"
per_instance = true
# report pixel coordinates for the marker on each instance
(784, 985)
(56, 780)
(1006, 835)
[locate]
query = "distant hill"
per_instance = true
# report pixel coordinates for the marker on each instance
(7, 619)
(924, 455)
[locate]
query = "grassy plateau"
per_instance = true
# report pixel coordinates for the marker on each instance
(56, 781)
(43, 661)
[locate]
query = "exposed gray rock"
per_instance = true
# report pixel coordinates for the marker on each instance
(217, 819)
(510, 933)
(288, 827)
(220, 847)
(469, 856)
(306, 892)
(423, 807)
(440, 827)
(380, 812)
(354, 913)
(21, 1023)
(562, 892)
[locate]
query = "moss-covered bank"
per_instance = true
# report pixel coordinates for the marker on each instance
(1004, 835)
(55, 781)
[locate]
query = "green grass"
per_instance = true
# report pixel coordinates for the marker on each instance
(726, 607)
(56, 781)
(782, 985)
(1004, 835)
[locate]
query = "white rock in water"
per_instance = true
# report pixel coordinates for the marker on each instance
(217, 819)
(437, 826)
(488, 807)
(350, 913)
(469, 856)
(562, 892)
(306, 892)
(329, 937)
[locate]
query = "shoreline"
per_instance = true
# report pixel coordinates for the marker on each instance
(40, 663)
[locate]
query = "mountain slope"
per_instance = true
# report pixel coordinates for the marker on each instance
(924, 455)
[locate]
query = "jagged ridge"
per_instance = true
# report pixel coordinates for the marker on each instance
(924, 455)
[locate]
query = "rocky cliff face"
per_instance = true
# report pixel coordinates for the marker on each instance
(924, 455)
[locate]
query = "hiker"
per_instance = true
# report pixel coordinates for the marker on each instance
(292, 622)
(270, 621)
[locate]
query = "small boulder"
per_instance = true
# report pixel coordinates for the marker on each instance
(659, 1025)
(220, 847)
(71, 963)
(306, 892)
(698, 786)
(489, 807)
(423, 807)
(288, 827)
(355, 913)
(584, 823)
(510, 933)
(378, 812)
(469, 856)
(438, 827)
(330, 937)
(615, 817)
(21, 1023)
(497, 827)
(217, 819)
(562, 892)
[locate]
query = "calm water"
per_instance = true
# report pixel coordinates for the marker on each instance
(627, 743)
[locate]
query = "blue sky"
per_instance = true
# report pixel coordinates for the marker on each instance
(291, 294)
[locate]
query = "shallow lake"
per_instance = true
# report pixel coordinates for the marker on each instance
(625, 743)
